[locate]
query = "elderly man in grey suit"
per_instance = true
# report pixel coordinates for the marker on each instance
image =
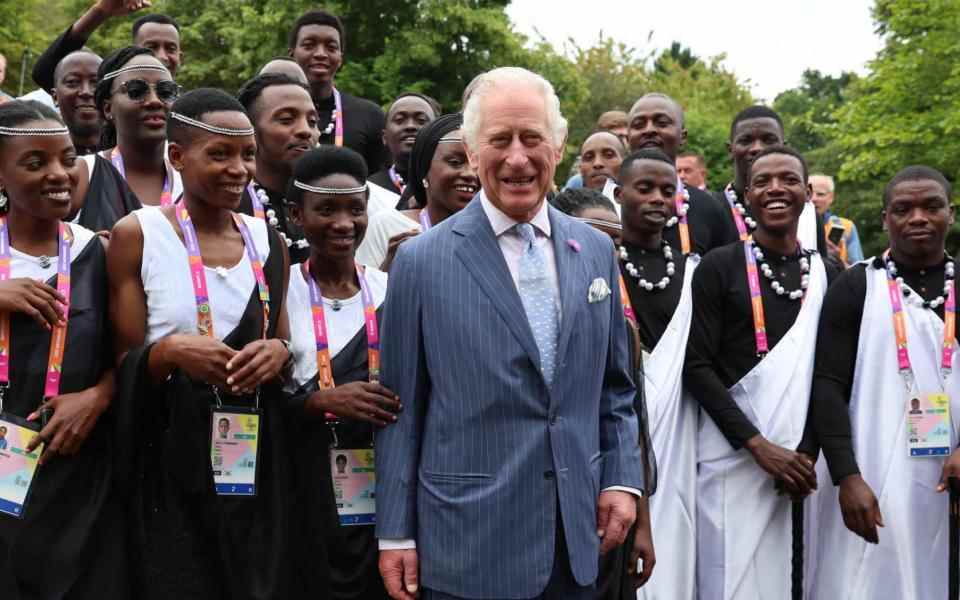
(515, 460)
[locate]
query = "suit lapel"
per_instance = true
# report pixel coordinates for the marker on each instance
(568, 275)
(480, 254)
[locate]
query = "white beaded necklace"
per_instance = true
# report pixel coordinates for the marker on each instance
(767, 271)
(948, 276)
(731, 195)
(635, 273)
(271, 215)
(681, 211)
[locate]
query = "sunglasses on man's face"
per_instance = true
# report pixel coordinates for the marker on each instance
(138, 89)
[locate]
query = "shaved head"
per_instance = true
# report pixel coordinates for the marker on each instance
(676, 108)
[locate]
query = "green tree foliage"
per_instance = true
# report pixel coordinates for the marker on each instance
(26, 29)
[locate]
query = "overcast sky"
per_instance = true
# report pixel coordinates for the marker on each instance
(768, 42)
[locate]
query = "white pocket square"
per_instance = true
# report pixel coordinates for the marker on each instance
(599, 290)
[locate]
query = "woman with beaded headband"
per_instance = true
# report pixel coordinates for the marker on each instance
(198, 296)
(334, 308)
(134, 94)
(65, 539)
(442, 182)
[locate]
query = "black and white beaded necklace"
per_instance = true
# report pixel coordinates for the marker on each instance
(948, 277)
(271, 214)
(767, 271)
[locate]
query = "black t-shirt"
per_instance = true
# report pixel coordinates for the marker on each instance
(722, 346)
(363, 123)
(708, 227)
(838, 337)
(653, 309)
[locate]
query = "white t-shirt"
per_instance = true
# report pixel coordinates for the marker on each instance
(380, 228)
(381, 199)
(342, 324)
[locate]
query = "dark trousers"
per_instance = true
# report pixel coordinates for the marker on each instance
(561, 586)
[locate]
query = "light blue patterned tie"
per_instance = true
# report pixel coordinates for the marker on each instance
(539, 300)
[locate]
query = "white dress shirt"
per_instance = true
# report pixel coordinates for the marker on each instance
(511, 244)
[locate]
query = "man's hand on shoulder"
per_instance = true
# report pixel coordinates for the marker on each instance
(616, 512)
(401, 572)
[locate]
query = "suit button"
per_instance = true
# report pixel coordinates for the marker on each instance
(548, 474)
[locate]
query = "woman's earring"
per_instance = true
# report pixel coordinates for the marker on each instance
(426, 184)
(3, 199)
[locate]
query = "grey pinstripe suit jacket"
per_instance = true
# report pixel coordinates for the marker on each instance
(483, 448)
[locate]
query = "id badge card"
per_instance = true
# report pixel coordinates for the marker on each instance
(234, 450)
(354, 485)
(17, 466)
(928, 424)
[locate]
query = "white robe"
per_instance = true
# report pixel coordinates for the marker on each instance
(744, 533)
(807, 227)
(673, 428)
(910, 562)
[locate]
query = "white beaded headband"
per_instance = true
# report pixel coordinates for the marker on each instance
(451, 138)
(211, 128)
(326, 190)
(601, 223)
(123, 70)
(33, 131)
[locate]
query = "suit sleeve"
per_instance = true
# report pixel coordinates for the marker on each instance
(618, 420)
(404, 372)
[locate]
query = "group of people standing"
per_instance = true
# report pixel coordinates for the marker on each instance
(281, 344)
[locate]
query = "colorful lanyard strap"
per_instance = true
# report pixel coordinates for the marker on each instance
(425, 219)
(166, 194)
(258, 210)
(625, 300)
(900, 326)
(756, 301)
(58, 337)
(199, 277)
(337, 118)
(731, 197)
(396, 179)
(324, 363)
(681, 201)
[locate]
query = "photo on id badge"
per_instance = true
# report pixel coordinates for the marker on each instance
(234, 441)
(354, 485)
(928, 424)
(17, 466)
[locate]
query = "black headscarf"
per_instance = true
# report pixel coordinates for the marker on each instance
(421, 156)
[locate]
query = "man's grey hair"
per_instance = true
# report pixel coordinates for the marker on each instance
(490, 81)
(826, 178)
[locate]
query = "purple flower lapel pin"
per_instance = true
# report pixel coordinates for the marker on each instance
(574, 244)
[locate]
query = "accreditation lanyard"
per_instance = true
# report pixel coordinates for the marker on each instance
(258, 210)
(396, 179)
(199, 278)
(900, 328)
(58, 339)
(681, 202)
(731, 197)
(337, 118)
(425, 219)
(324, 363)
(625, 300)
(756, 301)
(166, 194)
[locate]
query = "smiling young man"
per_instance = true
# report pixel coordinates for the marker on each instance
(754, 129)
(600, 158)
(285, 122)
(406, 116)
(656, 121)
(75, 81)
(749, 364)
(865, 393)
(317, 42)
(658, 282)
